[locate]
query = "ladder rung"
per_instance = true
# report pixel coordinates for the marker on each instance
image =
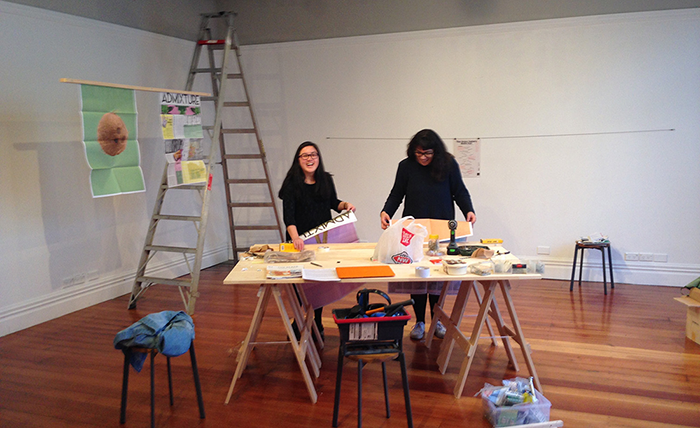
(249, 156)
(208, 98)
(177, 217)
(166, 281)
(271, 227)
(247, 181)
(198, 186)
(234, 76)
(236, 104)
(206, 70)
(239, 131)
(168, 249)
(250, 204)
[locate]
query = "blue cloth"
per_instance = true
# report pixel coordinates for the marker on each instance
(170, 332)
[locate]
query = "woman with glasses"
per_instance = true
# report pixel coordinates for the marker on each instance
(429, 183)
(308, 196)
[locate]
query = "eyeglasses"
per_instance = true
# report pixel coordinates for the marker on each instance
(307, 156)
(427, 153)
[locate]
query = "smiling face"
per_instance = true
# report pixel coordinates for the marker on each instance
(424, 156)
(308, 160)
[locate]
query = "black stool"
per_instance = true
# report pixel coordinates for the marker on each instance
(384, 345)
(601, 246)
(153, 352)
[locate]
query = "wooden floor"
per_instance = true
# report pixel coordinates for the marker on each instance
(620, 360)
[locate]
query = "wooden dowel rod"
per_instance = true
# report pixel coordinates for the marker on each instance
(136, 88)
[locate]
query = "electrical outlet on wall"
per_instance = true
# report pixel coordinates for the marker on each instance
(646, 257)
(631, 257)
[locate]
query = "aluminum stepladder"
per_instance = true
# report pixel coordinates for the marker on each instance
(250, 199)
(188, 287)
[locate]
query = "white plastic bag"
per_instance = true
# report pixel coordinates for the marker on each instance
(401, 244)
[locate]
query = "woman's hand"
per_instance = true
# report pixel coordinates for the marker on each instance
(298, 243)
(385, 219)
(471, 217)
(346, 206)
(296, 240)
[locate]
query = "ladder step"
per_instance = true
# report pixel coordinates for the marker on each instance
(239, 131)
(250, 205)
(247, 181)
(236, 104)
(271, 227)
(247, 156)
(206, 70)
(168, 249)
(197, 186)
(234, 76)
(177, 217)
(166, 281)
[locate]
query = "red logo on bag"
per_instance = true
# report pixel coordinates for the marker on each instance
(406, 237)
(401, 258)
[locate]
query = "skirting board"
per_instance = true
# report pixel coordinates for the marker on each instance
(61, 302)
(642, 273)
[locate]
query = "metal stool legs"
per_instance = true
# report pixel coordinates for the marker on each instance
(602, 249)
(360, 366)
(153, 352)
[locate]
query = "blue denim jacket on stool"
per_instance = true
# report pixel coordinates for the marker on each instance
(170, 332)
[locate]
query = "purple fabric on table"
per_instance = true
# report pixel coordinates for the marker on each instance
(324, 293)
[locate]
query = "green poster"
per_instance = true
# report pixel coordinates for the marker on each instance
(109, 135)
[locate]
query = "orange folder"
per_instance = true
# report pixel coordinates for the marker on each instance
(364, 271)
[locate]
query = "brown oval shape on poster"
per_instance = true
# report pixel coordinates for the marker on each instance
(112, 134)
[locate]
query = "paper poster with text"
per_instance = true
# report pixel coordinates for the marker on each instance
(109, 135)
(181, 124)
(468, 155)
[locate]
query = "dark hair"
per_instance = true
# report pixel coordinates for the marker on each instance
(427, 139)
(294, 180)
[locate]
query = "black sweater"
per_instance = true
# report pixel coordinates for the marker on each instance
(425, 197)
(308, 210)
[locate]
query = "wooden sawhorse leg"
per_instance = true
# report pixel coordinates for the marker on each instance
(487, 307)
(454, 320)
(264, 294)
(303, 347)
(517, 333)
(303, 314)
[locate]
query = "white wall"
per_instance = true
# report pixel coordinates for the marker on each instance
(596, 84)
(603, 80)
(50, 226)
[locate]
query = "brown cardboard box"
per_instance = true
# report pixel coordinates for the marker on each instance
(692, 322)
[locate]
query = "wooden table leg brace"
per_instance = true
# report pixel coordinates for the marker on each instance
(487, 307)
(303, 348)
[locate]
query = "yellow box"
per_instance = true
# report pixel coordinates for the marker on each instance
(692, 322)
(288, 247)
(491, 241)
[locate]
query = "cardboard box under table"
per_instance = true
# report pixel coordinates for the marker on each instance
(692, 322)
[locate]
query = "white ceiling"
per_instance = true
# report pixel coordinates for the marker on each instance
(270, 21)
